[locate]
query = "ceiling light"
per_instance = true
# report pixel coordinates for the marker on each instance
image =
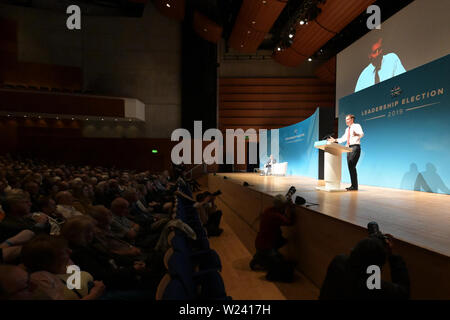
(302, 22)
(167, 5)
(242, 45)
(103, 119)
(205, 30)
(248, 31)
(73, 119)
(39, 117)
(279, 48)
(57, 118)
(115, 119)
(9, 115)
(87, 119)
(25, 116)
(309, 59)
(253, 22)
(291, 35)
(264, 1)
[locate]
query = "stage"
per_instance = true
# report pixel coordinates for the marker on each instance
(332, 222)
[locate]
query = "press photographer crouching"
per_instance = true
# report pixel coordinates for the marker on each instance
(348, 276)
(270, 239)
(210, 216)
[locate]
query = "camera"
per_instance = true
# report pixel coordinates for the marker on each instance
(374, 231)
(290, 193)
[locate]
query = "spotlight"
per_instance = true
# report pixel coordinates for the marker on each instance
(279, 49)
(309, 59)
(167, 5)
(302, 22)
(291, 35)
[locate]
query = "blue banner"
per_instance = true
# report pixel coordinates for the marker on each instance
(406, 130)
(296, 147)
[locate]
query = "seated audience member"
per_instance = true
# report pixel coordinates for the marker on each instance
(15, 284)
(81, 198)
(347, 276)
(47, 258)
(17, 216)
(121, 226)
(64, 207)
(269, 239)
(103, 217)
(80, 233)
(210, 216)
(33, 190)
(11, 248)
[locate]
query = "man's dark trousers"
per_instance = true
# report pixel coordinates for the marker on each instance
(352, 160)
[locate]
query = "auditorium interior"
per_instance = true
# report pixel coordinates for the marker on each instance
(94, 95)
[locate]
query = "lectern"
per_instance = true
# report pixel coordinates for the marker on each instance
(332, 166)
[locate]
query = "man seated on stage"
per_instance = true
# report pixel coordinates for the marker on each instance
(268, 166)
(347, 276)
(270, 239)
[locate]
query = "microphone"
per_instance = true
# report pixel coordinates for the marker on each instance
(330, 135)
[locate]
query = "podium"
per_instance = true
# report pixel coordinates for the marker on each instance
(332, 166)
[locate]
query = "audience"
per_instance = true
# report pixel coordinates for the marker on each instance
(106, 221)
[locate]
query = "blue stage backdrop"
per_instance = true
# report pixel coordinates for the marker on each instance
(406, 124)
(296, 146)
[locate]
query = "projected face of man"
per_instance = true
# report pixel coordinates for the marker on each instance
(376, 54)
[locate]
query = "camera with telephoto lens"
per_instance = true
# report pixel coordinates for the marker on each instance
(374, 231)
(290, 193)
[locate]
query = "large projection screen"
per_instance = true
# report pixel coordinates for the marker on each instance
(416, 35)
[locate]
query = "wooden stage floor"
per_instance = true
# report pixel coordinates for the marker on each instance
(419, 218)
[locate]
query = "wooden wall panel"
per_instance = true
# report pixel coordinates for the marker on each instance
(335, 15)
(55, 103)
(269, 103)
(175, 10)
(327, 71)
(206, 28)
(255, 19)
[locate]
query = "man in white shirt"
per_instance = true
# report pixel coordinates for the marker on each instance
(268, 166)
(380, 68)
(352, 135)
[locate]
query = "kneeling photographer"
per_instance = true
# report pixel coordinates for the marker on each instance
(270, 239)
(348, 275)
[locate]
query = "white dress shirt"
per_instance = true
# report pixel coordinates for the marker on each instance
(391, 66)
(355, 127)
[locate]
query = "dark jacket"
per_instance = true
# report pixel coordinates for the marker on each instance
(341, 283)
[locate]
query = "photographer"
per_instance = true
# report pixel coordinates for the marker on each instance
(270, 239)
(209, 215)
(347, 275)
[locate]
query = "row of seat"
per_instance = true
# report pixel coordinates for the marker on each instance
(193, 267)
